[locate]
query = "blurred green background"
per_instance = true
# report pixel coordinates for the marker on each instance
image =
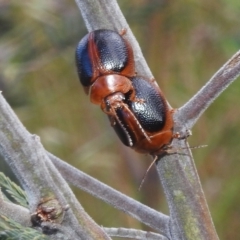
(184, 42)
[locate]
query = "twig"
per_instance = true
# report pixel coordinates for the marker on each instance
(148, 216)
(27, 158)
(133, 234)
(189, 113)
(15, 212)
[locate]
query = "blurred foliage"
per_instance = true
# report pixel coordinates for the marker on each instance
(12, 191)
(10, 230)
(184, 42)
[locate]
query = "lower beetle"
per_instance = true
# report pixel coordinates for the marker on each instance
(135, 106)
(147, 124)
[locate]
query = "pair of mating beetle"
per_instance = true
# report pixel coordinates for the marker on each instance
(135, 106)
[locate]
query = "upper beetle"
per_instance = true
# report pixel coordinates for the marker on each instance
(103, 52)
(135, 106)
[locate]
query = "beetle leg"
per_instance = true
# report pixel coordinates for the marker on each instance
(123, 31)
(133, 121)
(130, 141)
(115, 102)
(137, 122)
(114, 118)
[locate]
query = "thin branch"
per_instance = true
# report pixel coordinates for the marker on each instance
(148, 216)
(177, 172)
(42, 182)
(133, 234)
(194, 108)
(15, 212)
(189, 214)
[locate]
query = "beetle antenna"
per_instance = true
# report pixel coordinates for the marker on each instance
(138, 124)
(136, 121)
(142, 130)
(122, 126)
(168, 151)
(145, 175)
(196, 147)
(175, 150)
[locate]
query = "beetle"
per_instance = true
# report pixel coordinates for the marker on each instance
(152, 113)
(136, 108)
